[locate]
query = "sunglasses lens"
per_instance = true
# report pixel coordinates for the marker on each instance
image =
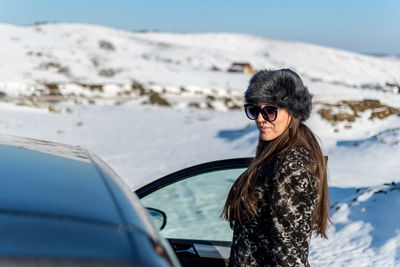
(252, 112)
(269, 113)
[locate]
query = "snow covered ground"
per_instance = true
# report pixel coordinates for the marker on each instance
(76, 53)
(144, 142)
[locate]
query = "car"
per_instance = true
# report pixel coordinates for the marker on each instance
(191, 201)
(62, 205)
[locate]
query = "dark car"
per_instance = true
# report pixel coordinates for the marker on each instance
(61, 205)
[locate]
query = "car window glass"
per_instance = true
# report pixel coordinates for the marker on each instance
(193, 206)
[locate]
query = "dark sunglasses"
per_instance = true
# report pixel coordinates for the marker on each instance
(269, 113)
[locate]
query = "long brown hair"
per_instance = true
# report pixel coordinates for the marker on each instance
(241, 203)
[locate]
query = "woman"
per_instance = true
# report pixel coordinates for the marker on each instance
(276, 204)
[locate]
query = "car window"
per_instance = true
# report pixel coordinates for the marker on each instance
(193, 205)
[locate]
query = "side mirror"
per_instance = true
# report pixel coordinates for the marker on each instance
(158, 216)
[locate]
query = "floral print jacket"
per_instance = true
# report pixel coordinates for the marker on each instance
(280, 234)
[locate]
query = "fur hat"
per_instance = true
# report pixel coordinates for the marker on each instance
(283, 88)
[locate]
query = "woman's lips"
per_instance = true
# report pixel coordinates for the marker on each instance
(264, 128)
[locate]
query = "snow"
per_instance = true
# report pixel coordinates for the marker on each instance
(75, 54)
(363, 235)
(144, 142)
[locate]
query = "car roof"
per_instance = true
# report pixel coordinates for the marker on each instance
(62, 201)
(52, 179)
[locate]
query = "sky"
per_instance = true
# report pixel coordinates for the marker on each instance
(368, 26)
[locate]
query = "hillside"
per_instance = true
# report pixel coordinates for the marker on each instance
(80, 55)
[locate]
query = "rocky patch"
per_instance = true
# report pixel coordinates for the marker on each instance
(350, 111)
(55, 67)
(46, 93)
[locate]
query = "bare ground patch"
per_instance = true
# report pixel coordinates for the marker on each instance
(349, 110)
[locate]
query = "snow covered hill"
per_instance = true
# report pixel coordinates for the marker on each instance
(84, 54)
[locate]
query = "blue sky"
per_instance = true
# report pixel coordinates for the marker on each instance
(371, 26)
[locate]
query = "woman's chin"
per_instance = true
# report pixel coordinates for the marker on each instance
(267, 135)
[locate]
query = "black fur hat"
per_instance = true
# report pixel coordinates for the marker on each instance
(283, 88)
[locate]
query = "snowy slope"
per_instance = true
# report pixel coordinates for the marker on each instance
(94, 54)
(366, 230)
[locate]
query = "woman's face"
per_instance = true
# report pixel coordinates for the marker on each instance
(271, 130)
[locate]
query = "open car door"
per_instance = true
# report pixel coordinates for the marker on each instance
(191, 201)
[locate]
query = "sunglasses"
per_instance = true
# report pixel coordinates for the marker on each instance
(269, 113)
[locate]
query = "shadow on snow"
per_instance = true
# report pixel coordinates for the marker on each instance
(377, 206)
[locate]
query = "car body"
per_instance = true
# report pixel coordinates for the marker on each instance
(62, 205)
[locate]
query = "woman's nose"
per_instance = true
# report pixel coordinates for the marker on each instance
(260, 118)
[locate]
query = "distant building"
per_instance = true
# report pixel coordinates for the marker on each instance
(241, 67)
(394, 87)
(387, 87)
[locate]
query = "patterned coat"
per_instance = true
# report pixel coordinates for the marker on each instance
(280, 234)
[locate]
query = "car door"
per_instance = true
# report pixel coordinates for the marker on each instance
(192, 200)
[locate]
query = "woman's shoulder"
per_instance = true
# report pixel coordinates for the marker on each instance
(292, 159)
(293, 166)
(298, 154)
